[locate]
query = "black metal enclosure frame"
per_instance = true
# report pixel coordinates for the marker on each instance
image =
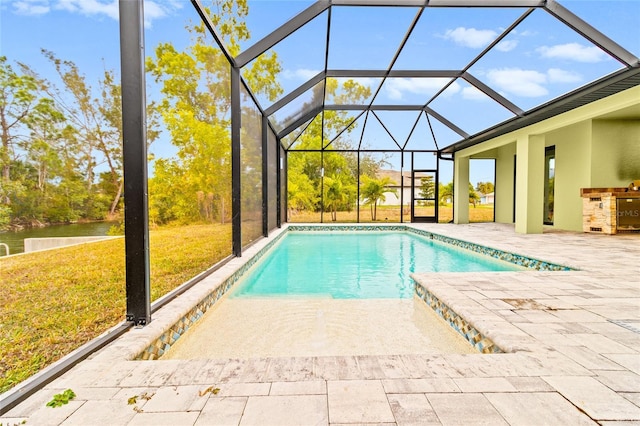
(132, 47)
(274, 150)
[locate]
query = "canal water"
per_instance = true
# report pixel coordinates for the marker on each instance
(15, 240)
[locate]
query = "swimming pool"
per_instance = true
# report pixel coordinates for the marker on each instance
(348, 265)
(223, 282)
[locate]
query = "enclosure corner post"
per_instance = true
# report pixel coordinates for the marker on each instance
(265, 177)
(134, 152)
(236, 164)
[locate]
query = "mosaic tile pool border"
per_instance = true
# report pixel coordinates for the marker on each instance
(170, 336)
(517, 259)
(480, 342)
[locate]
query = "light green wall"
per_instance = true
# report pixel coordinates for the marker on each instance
(529, 183)
(573, 159)
(616, 153)
(504, 183)
(461, 189)
(592, 150)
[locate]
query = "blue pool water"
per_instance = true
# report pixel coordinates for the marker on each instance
(360, 265)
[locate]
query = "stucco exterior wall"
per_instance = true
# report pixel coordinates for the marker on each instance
(572, 172)
(616, 153)
(504, 183)
(592, 150)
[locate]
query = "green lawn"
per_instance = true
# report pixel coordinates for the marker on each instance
(391, 214)
(54, 301)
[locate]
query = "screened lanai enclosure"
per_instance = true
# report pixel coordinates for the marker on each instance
(319, 118)
(241, 116)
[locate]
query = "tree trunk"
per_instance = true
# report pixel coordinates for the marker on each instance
(116, 199)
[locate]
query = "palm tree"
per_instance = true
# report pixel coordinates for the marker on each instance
(445, 192)
(373, 190)
(336, 195)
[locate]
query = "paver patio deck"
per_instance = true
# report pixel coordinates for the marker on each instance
(572, 340)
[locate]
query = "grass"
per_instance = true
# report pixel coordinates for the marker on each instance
(391, 214)
(53, 302)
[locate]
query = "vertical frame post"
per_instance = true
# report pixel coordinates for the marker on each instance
(265, 177)
(279, 161)
(284, 175)
(437, 189)
(236, 162)
(322, 186)
(401, 186)
(358, 195)
(134, 151)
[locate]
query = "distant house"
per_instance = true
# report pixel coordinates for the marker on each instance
(487, 198)
(391, 198)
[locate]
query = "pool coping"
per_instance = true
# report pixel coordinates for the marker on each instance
(179, 317)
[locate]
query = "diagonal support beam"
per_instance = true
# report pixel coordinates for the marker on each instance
(593, 35)
(213, 30)
(282, 32)
(447, 123)
(493, 94)
(298, 122)
(294, 94)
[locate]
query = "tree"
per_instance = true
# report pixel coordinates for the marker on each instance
(301, 193)
(18, 97)
(340, 166)
(337, 195)
(373, 190)
(195, 109)
(427, 187)
(98, 123)
(474, 198)
(60, 195)
(485, 187)
(445, 192)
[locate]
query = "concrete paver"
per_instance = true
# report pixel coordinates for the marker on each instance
(594, 398)
(225, 411)
(95, 412)
(537, 409)
(358, 401)
(412, 409)
(315, 387)
(465, 409)
(164, 419)
(285, 410)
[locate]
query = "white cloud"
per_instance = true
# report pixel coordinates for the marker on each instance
(95, 8)
(529, 83)
(526, 83)
(31, 7)
(90, 7)
(152, 11)
(472, 93)
(527, 33)
(557, 75)
(507, 45)
(303, 74)
(396, 87)
(363, 81)
(574, 52)
(470, 37)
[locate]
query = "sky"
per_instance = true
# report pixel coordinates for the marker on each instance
(536, 62)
